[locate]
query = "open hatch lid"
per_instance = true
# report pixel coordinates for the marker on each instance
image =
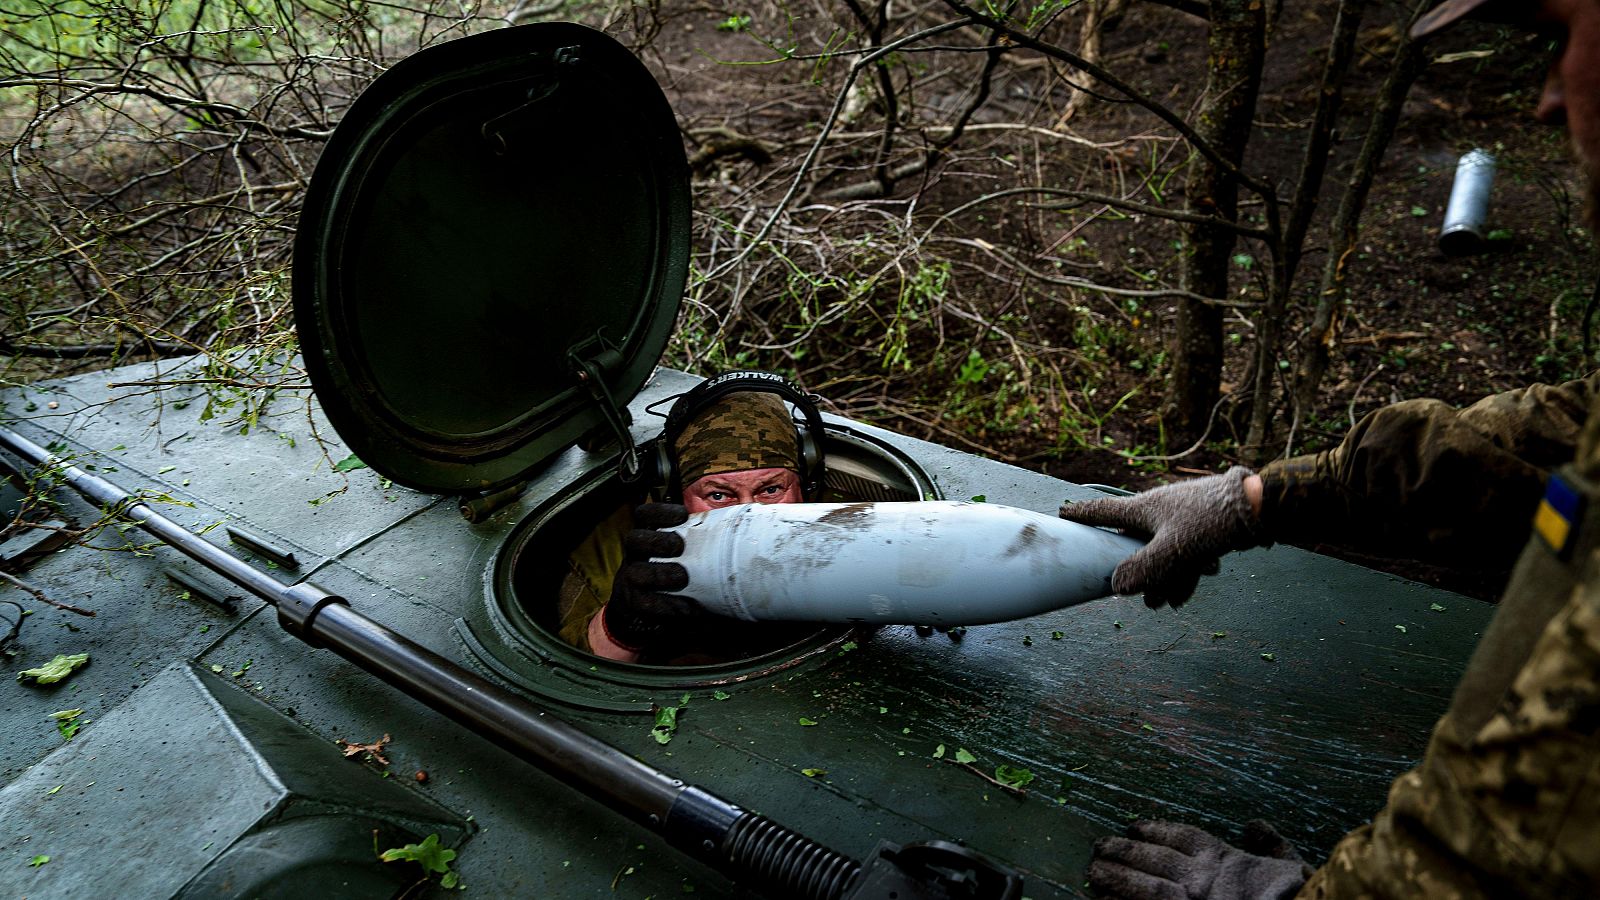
(492, 215)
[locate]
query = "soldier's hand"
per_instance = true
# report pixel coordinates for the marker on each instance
(1190, 524)
(642, 613)
(1173, 861)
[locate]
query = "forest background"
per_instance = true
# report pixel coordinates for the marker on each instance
(1119, 241)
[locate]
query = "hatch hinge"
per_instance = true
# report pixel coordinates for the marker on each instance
(591, 369)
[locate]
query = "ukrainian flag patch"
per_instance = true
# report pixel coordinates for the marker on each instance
(1557, 518)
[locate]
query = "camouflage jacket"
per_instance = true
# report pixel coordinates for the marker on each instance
(1506, 802)
(1423, 480)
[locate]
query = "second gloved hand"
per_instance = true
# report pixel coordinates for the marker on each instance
(1173, 861)
(1191, 524)
(642, 613)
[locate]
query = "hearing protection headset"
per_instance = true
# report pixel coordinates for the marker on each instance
(703, 395)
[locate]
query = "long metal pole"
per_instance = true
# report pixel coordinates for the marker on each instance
(744, 846)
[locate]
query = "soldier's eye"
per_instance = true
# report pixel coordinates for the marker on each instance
(716, 496)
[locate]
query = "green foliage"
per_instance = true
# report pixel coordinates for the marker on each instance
(1013, 776)
(735, 23)
(973, 369)
(919, 295)
(666, 724)
(68, 722)
(433, 857)
(55, 670)
(39, 35)
(349, 464)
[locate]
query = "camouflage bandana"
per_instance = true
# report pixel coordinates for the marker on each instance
(746, 430)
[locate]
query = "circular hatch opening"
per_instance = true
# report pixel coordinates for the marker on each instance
(530, 568)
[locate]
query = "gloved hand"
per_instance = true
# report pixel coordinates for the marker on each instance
(1190, 525)
(639, 616)
(1173, 861)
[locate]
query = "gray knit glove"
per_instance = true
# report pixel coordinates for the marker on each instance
(1173, 861)
(1190, 525)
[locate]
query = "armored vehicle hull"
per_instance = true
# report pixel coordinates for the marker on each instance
(208, 761)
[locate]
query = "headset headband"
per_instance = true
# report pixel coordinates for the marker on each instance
(703, 395)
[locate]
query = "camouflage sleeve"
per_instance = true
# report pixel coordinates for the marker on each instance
(1509, 808)
(1423, 479)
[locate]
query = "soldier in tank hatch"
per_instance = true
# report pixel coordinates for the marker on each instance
(722, 446)
(1506, 802)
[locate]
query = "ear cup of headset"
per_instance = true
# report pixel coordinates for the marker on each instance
(703, 395)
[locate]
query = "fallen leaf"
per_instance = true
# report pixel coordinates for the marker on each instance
(813, 773)
(962, 756)
(374, 750)
(720, 695)
(1436, 607)
(430, 855)
(38, 861)
(666, 724)
(349, 464)
(1012, 776)
(938, 752)
(1462, 55)
(806, 721)
(55, 670)
(1270, 657)
(1400, 628)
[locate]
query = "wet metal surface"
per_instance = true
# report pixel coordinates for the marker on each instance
(1117, 710)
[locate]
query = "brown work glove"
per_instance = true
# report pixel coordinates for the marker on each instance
(641, 615)
(1190, 525)
(1173, 861)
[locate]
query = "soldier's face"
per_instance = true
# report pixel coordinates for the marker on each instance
(736, 488)
(1571, 93)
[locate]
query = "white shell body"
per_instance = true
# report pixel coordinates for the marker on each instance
(921, 563)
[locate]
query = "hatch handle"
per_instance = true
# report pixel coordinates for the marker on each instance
(493, 130)
(589, 375)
